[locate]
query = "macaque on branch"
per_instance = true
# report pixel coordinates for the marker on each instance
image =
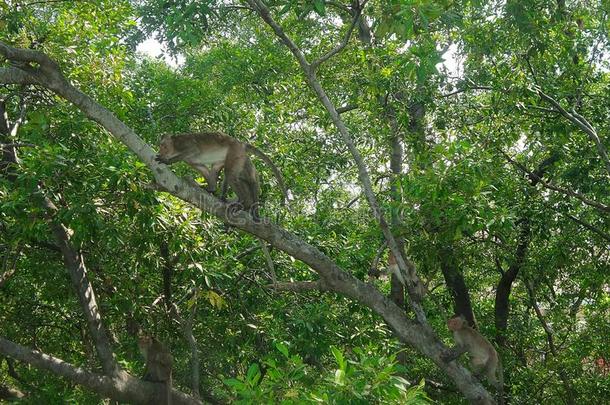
(209, 153)
(484, 359)
(407, 278)
(158, 365)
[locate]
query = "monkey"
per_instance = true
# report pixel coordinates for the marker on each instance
(410, 277)
(209, 153)
(158, 365)
(483, 357)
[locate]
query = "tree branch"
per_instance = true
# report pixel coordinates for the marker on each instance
(551, 341)
(405, 266)
(453, 93)
(420, 336)
(186, 325)
(123, 388)
(75, 264)
(590, 227)
(9, 271)
(12, 75)
(581, 123)
(316, 63)
(263, 11)
(300, 286)
(346, 108)
(551, 186)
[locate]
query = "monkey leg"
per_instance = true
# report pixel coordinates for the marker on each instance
(210, 175)
(490, 373)
(246, 195)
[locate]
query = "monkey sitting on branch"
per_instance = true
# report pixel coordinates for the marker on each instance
(158, 366)
(209, 153)
(484, 359)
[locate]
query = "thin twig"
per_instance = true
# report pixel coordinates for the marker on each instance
(453, 93)
(299, 286)
(316, 63)
(550, 186)
(581, 123)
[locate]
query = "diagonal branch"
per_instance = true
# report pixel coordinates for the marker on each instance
(339, 47)
(581, 123)
(299, 286)
(120, 388)
(548, 330)
(75, 264)
(420, 336)
(406, 267)
(260, 8)
(532, 175)
(590, 227)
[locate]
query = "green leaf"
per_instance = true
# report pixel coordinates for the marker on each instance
(320, 7)
(283, 349)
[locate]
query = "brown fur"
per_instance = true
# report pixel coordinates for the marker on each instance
(158, 365)
(484, 359)
(411, 277)
(210, 152)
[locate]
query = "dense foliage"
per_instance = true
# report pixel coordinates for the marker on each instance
(498, 114)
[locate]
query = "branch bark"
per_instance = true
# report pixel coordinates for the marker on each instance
(123, 388)
(421, 337)
(363, 174)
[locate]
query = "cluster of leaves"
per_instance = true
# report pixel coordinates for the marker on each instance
(367, 379)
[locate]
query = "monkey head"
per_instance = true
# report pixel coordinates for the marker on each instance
(457, 322)
(166, 149)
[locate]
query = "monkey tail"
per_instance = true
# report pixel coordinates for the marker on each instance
(500, 387)
(276, 171)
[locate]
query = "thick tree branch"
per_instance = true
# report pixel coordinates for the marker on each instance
(73, 261)
(421, 337)
(120, 388)
(397, 292)
(505, 285)
(12, 75)
(75, 264)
